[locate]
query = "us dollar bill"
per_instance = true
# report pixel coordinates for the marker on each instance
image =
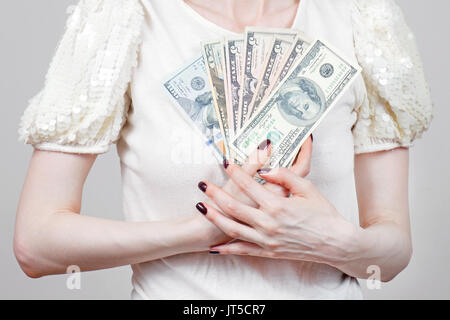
(271, 66)
(297, 106)
(234, 64)
(300, 45)
(213, 53)
(257, 45)
(191, 93)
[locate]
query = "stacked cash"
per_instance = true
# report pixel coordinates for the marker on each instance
(272, 84)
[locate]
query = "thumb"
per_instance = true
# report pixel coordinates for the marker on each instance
(286, 178)
(257, 158)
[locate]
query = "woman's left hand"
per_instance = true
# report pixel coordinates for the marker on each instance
(304, 226)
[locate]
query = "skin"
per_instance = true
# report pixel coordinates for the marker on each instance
(307, 227)
(235, 15)
(52, 234)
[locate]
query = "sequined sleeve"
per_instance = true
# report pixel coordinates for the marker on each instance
(398, 107)
(84, 103)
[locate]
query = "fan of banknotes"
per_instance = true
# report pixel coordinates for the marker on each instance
(272, 84)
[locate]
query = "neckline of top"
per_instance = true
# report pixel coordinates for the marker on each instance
(213, 25)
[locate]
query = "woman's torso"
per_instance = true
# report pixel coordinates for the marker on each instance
(163, 158)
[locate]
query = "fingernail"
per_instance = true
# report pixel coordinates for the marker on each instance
(202, 186)
(264, 171)
(264, 145)
(312, 138)
(201, 207)
(214, 252)
(225, 163)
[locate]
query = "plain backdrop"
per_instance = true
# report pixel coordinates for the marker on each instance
(29, 32)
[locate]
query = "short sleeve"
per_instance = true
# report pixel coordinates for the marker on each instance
(84, 102)
(398, 107)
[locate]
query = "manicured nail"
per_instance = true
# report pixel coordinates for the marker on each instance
(201, 207)
(264, 145)
(225, 163)
(202, 186)
(264, 171)
(214, 252)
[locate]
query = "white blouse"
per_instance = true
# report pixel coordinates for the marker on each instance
(104, 85)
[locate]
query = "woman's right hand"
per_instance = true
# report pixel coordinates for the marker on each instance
(258, 158)
(255, 161)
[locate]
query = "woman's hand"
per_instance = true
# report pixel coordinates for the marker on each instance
(302, 227)
(255, 161)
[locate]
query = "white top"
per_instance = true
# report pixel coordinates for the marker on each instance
(82, 109)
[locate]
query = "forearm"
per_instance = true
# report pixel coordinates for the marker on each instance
(65, 239)
(384, 245)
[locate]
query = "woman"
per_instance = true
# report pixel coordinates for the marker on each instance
(104, 84)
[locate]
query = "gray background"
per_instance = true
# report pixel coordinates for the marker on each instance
(29, 31)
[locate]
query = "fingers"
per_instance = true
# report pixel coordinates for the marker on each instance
(230, 227)
(243, 249)
(288, 179)
(258, 158)
(251, 188)
(302, 163)
(231, 206)
(277, 190)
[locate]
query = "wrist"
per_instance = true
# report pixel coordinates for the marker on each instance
(194, 235)
(352, 243)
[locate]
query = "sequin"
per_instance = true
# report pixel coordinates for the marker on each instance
(86, 112)
(386, 118)
(99, 51)
(70, 9)
(398, 108)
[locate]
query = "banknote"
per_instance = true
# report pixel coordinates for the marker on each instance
(191, 93)
(299, 46)
(273, 62)
(213, 53)
(233, 64)
(297, 106)
(257, 45)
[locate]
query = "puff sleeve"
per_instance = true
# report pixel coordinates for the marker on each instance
(84, 102)
(397, 108)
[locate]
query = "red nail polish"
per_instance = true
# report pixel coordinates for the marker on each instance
(225, 163)
(201, 207)
(264, 145)
(202, 186)
(264, 171)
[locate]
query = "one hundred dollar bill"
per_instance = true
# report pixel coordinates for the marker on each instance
(234, 63)
(213, 53)
(297, 106)
(273, 62)
(191, 93)
(257, 45)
